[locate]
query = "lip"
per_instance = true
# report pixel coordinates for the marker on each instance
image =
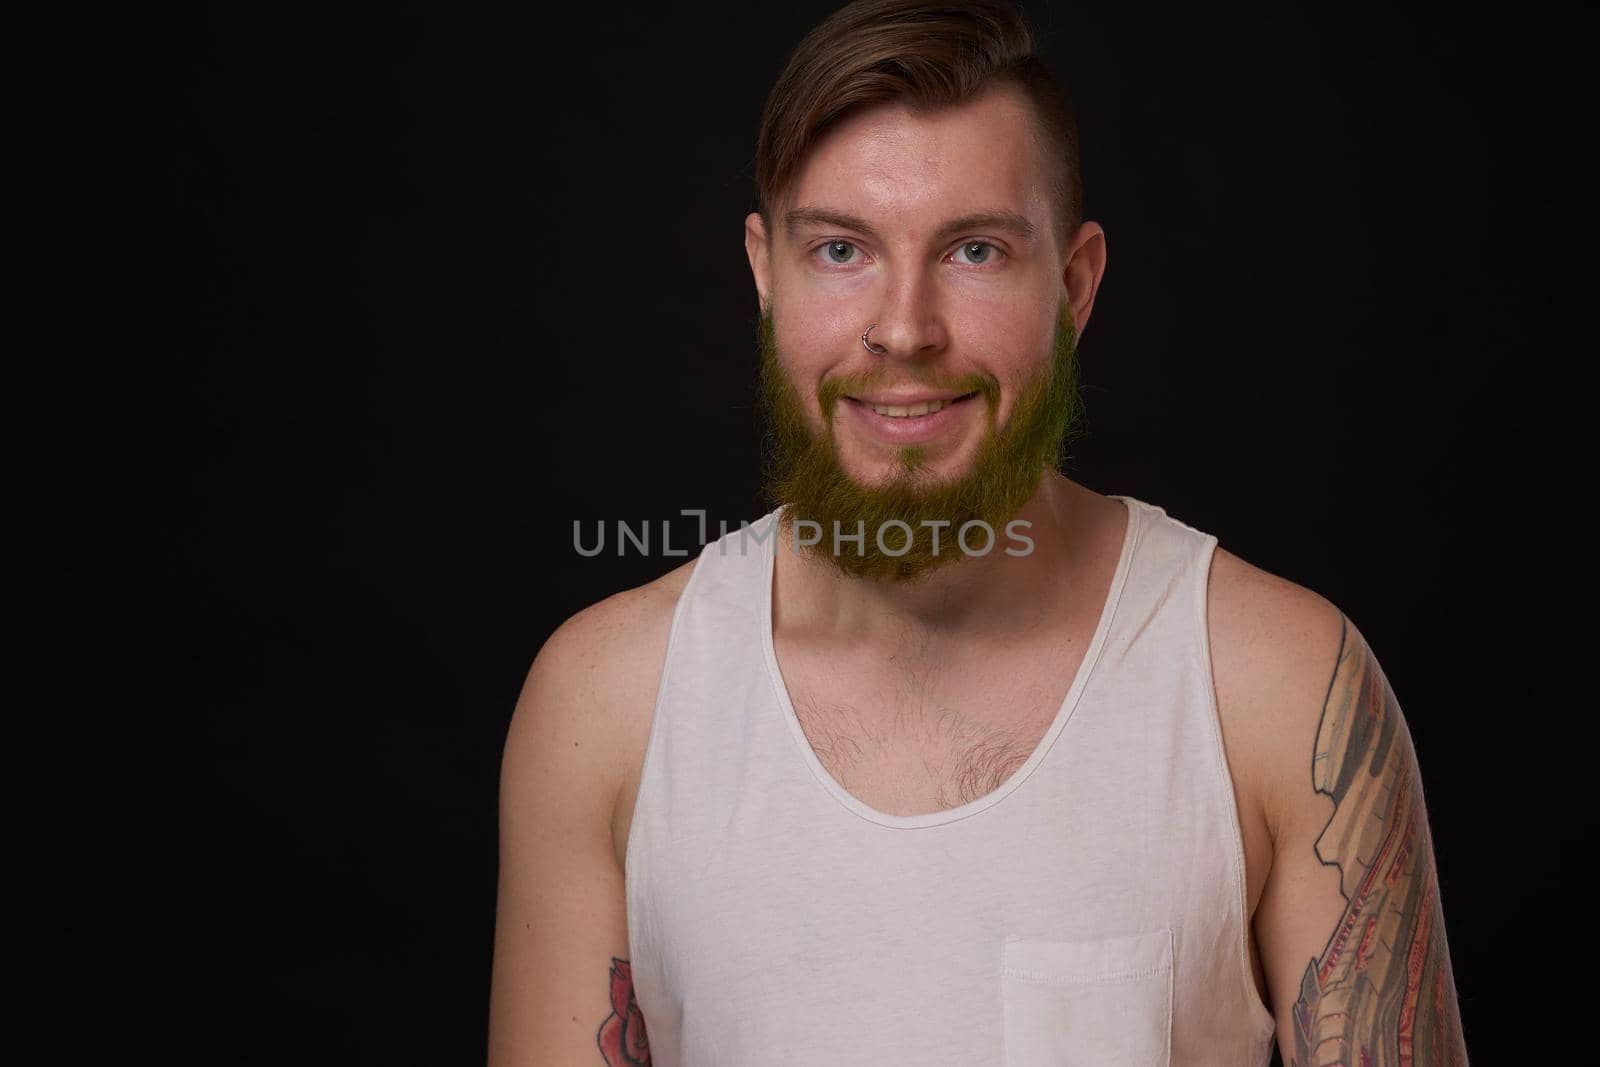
(907, 399)
(913, 429)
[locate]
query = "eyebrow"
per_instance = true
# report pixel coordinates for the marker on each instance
(977, 220)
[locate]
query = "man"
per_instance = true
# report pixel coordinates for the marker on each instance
(1072, 784)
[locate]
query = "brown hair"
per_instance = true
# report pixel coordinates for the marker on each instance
(928, 56)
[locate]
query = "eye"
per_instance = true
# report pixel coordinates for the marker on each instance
(836, 252)
(979, 253)
(984, 257)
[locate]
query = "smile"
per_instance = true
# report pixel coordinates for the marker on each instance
(913, 410)
(908, 420)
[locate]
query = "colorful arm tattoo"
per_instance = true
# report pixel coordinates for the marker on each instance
(1381, 993)
(622, 1038)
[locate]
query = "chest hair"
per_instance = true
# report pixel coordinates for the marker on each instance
(922, 748)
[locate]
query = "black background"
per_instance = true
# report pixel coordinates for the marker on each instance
(352, 313)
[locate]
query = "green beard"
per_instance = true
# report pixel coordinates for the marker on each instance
(802, 469)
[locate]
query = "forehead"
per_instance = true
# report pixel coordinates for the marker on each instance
(909, 172)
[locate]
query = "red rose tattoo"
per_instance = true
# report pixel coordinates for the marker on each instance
(621, 1037)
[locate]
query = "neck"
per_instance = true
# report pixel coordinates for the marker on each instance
(992, 593)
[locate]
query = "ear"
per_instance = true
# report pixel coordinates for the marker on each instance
(759, 251)
(1086, 265)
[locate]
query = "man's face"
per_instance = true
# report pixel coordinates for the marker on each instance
(969, 403)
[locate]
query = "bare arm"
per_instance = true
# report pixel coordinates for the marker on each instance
(1350, 924)
(562, 985)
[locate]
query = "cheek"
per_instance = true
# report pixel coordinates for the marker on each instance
(1014, 352)
(813, 353)
(828, 342)
(820, 319)
(1016, 379)
(804, 379)
(1008, 338)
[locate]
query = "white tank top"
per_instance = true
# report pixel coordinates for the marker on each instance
(1089, 911)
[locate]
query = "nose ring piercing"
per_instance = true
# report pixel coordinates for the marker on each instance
(875, 349)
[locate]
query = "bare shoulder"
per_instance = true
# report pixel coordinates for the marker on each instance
(1274, 646)
(1268, 630)
(598, 651)
(592, 686)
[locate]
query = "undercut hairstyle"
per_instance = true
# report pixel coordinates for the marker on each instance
(928, 57)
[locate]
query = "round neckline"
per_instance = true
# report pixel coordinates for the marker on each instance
(866, 811)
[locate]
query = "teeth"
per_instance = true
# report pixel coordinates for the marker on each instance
(898, 411)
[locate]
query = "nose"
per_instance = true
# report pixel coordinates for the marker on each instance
(908, 327)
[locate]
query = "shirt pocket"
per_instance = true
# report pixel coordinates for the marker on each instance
(1105, 1003)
